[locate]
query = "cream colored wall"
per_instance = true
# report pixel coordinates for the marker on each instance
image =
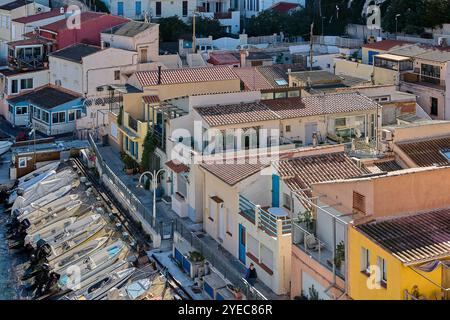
(354, 69)
(424, 95)
(421, 131)
(385, 76)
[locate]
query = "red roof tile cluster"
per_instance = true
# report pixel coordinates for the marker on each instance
(253, 79)
(220, 59)
(427, 153)
(186, 75)
(284, 7)
(84, 16)
(386, 45)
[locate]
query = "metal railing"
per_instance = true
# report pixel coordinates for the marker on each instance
(267, 221)
(116, 186)
(227, 271)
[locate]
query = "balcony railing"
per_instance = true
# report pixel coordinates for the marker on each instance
(269, 223)
(309, 243)
(133, 123)
(424, 80)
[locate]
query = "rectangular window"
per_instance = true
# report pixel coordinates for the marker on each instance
(138, 8)
(23, 162)
(288, 128)
(10, 108)
(71, 115)
(365, 260)
(45, 116)
(158, 8)
(434, 106)
(21, 110)
(117, 75)
(340, 122)
(26, 84)
(58, 117)
(78, 113)
(292, 94)
(14, 86)
(383, 271)
(185, 8)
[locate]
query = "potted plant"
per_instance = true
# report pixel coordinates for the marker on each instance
(197, 260)
(307, 219)
(130, 164)
(339, 256)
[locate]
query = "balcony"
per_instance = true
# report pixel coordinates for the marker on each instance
(269, 223)
(314, 247)
(132, 123)
(423, 80)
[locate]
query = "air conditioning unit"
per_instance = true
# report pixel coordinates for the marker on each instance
(385, 147)
(386, 135)
(61, 10)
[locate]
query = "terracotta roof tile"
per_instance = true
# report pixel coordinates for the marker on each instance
(415, 238)
(253, 79)
(186, 75)
(235, 114)
(426, 153)
(386, 45)
(176, 166)
(320, 104)
(151, 99)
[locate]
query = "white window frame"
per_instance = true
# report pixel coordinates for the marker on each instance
(22, 162)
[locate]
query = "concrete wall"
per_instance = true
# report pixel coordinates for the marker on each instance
(354, 69)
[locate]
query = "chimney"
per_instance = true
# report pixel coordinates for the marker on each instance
(159, 74)
(102, 44)
(243, 54)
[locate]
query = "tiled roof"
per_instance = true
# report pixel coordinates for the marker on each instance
(426, 153)
(40, 16)
(186, 75)
(273, 73)
(413, 239)
(386, 45)
(295, 107)
(224, 58)
(253, 79)
(388, 166)
(320, 104)
(32, 41)
(76, 52)
(151, 99)
(47, 97)
(284, 7)
(176, 166)
(236, 171)
(300, 173)
(235, 114)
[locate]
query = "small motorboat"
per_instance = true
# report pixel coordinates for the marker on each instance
(17, 208)
(61, 247)
(99, 288)
(27, 185)
(62, 230)
(44, 187)
(74, 274)
(5, 146)
(52, 166)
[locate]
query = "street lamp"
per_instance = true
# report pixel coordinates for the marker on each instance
(154, 182)
(396, 24)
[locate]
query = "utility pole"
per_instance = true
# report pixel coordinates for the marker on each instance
(311, 46)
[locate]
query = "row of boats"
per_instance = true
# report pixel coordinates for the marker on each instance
(75, 252)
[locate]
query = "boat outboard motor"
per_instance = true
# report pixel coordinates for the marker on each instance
(25, 224)
(20, 192)
(42, 252)
(15, 213)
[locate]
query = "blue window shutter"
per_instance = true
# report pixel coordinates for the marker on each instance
(138, 8)
(120, 8)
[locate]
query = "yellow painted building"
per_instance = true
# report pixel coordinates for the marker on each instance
(392, 267)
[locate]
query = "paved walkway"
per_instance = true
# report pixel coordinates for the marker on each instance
(164, 213)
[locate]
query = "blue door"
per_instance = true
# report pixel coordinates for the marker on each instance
(242, 240)
(275, 191)
(371, 55)
(138, 8)
(120, 8)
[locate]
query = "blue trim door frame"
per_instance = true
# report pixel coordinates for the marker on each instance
(275, 191)
(242, 243)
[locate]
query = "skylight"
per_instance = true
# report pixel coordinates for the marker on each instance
(446, 154)
(281, 82)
